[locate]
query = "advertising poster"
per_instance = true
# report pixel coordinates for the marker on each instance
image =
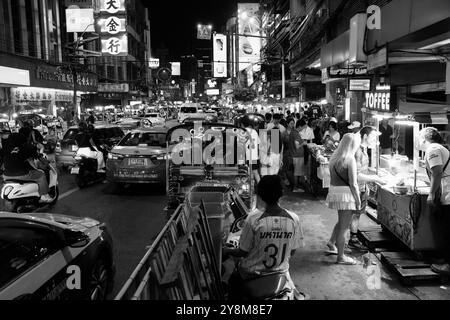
(249, 24)
(220, 55)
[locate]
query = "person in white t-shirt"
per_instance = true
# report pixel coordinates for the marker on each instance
(437, 158)
(269, 238)
(276, 124)
(252, 153)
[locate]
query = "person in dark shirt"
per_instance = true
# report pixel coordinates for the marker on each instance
(386, 137)
(18, 155)
(87, 146)
(91, 119)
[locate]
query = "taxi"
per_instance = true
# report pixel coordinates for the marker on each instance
(140, 157)
(54, 257)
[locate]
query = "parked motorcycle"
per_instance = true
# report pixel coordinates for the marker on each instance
(23, 196)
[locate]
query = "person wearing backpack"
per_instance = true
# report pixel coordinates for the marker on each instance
(437, 158)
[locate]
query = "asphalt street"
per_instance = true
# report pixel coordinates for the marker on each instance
(133, 215)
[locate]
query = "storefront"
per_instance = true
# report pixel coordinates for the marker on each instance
(48, 89)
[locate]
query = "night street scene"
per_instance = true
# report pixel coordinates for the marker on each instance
(220, 150)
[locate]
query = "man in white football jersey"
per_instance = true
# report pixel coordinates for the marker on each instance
(269, 238)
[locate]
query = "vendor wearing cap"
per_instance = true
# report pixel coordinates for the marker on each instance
(355, 126)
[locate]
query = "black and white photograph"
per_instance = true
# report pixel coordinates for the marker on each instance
(224, 156)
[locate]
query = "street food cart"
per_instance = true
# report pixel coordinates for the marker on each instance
(402, 202)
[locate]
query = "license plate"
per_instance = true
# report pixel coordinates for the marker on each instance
(137, 162)
(75, 170)
(137, 175)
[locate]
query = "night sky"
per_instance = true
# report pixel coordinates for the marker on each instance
(174, 23)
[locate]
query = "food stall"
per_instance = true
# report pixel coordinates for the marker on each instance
(402, 202)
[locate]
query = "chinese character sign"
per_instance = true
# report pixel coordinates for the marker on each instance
(115, 46)
(113, 6)
(113, 25)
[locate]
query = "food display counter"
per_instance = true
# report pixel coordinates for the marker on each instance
(318, 169)
(402, 204)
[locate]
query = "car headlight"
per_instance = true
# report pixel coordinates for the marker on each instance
(115, 156)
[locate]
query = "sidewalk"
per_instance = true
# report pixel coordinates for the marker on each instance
(317, 274)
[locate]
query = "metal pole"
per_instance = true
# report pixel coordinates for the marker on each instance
(75, 79)
(283, 81)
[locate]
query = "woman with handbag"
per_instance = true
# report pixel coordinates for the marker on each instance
(437, 158)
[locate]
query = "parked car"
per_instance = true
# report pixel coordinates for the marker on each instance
(40, 252)
(66, 150)
(140, 157)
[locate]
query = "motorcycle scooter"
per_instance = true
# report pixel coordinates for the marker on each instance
(22, 196)
(86, 171)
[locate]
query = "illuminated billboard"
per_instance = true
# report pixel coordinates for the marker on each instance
(249, 24)
(220, 55)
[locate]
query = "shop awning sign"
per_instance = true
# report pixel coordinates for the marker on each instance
(115, 46)
(378, 100)
(113, 87)
(153, 63)
(346, 72)
(80, 20)
(359, 84)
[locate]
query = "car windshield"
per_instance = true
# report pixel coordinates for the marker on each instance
(71, 134)
(151, 115)
(150, 139)
(188, 110)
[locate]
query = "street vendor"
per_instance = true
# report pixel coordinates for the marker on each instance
(437, 158)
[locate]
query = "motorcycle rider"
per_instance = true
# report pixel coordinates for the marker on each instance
(33, 136)
(269, 238)
(88, 147)
(18, 155)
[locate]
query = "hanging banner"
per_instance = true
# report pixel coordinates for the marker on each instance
(249, 24)
(220, 56)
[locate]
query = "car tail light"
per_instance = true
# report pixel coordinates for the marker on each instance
(58, 147)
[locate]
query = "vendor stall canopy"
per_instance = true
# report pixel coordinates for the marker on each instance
(427, 113)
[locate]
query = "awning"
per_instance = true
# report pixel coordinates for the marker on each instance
(427, 113)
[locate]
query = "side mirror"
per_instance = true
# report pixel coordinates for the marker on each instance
(76, 239)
